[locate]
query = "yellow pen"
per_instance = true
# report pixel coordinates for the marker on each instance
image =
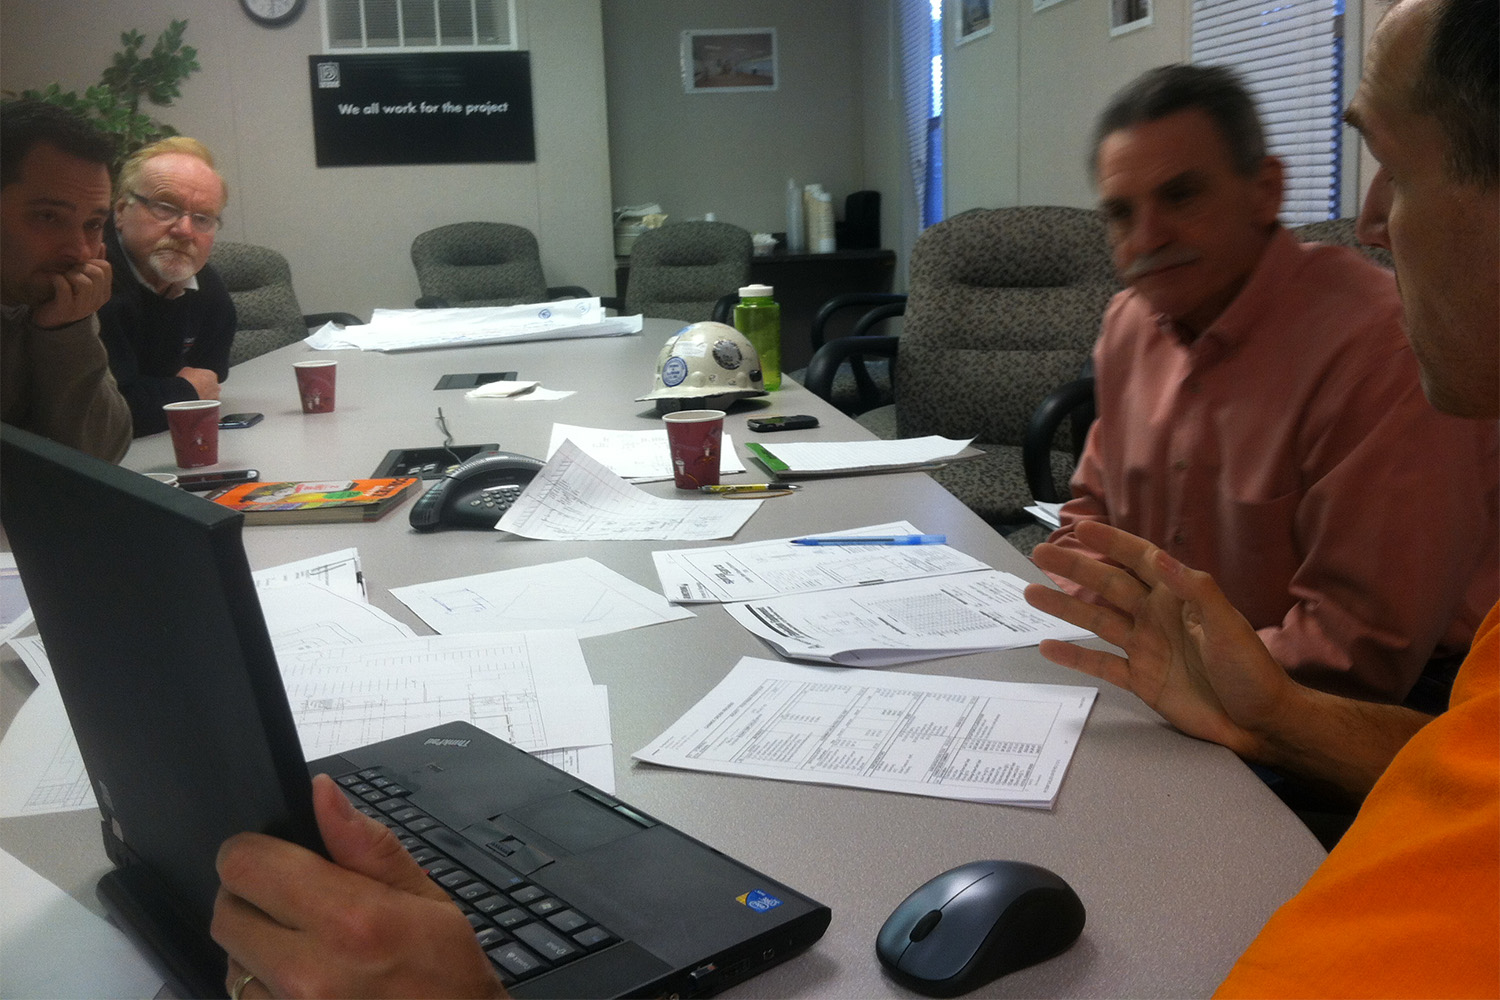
(748, 488)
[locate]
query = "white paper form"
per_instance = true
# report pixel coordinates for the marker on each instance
(823, 457)
(52, 946)
(640, 456)
(596, 765)
(574, 498)
(15, 609)
(777, 568)
(531, 689)
(947, 737)
(306, 615)
(41, 770)
(339, 571)
(40, 765)
(580, 595)
(903, 622)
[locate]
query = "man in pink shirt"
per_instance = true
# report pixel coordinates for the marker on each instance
(1260, 414)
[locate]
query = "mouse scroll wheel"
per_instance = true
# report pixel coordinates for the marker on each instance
(924, 926)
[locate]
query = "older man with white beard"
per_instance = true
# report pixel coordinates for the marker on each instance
(169, 322)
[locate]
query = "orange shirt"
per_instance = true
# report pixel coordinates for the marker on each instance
(1408, 903)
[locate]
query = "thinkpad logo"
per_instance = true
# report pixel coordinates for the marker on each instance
(435, 742)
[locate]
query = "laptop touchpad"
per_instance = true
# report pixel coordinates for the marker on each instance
(573, 822)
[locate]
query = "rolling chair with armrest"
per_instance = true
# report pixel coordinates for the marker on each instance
(1004, 304)
(267, 315)
(689, 271)
(482, 264)
(830, 375)
(860, 387)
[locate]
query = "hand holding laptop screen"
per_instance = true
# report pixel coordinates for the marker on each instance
(369, 923)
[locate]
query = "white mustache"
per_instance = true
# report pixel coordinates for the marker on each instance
(1165, 257)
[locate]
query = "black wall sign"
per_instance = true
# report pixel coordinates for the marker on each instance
(427, 107)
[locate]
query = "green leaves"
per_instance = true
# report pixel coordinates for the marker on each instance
(114, 102)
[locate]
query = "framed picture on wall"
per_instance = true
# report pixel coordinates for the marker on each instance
(729, 60)
(1128, 15)
(973, 20)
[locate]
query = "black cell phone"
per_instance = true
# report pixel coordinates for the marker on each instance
(791, 422)
(231, 420)
(202, 482)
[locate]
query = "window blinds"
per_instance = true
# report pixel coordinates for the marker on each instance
(395, 25)
(1290, 53)
(919, 29)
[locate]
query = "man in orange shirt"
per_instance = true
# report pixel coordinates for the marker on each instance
(1408, 903)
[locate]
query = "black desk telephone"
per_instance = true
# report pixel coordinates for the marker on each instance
(476, 493)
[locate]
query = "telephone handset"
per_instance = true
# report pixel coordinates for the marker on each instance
(476, 493)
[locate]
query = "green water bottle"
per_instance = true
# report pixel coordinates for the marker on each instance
(758, 317)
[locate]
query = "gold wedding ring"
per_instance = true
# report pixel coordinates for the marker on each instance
(240, 984)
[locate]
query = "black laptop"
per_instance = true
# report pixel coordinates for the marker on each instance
(144, 599)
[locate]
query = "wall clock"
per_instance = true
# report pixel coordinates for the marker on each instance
(273, 13)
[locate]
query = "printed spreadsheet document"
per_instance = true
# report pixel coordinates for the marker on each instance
(947, 737)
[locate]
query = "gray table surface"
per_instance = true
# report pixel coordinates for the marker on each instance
(1177, 850)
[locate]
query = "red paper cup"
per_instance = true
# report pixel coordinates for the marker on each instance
(694, 437)
(194, 424)
(315, 383)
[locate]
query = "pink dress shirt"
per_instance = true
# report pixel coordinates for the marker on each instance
(1289, 451)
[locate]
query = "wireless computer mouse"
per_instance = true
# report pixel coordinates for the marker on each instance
(976, 922)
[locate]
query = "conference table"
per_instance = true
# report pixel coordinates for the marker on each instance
(1177, 850)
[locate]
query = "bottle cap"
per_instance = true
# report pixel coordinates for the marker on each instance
(756, 292)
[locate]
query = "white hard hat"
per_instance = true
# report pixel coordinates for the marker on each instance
(705, 365)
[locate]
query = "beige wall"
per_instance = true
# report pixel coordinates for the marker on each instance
(732, 153)
(347, 231)
(1020, 103)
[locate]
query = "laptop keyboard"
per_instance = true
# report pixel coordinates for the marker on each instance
(524, 929)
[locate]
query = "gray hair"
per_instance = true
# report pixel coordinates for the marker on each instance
(1214, 90)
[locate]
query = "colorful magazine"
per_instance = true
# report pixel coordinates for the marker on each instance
(311, 502)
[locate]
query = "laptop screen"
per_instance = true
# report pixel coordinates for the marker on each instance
(144, 601)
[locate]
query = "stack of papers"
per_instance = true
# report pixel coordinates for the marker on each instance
(777, 568)
(903, 622)
(795, 459)
(354, 675)
(418, 329)
(947, 737)
(868, 605)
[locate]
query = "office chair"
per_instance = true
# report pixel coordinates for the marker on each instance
(1004, 304)
(690, 271)
(855, 385)
(267, 315)
(482, 264)
(1074, 400)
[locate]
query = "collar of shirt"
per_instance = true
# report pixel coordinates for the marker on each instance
(1243, 315)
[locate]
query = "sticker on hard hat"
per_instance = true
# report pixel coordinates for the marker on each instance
(727, 354)
(673, 371)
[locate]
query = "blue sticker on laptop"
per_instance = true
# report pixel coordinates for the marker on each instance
(673, 371)
(758, 901)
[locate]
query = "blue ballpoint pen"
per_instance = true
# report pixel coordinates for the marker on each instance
(874, 540)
